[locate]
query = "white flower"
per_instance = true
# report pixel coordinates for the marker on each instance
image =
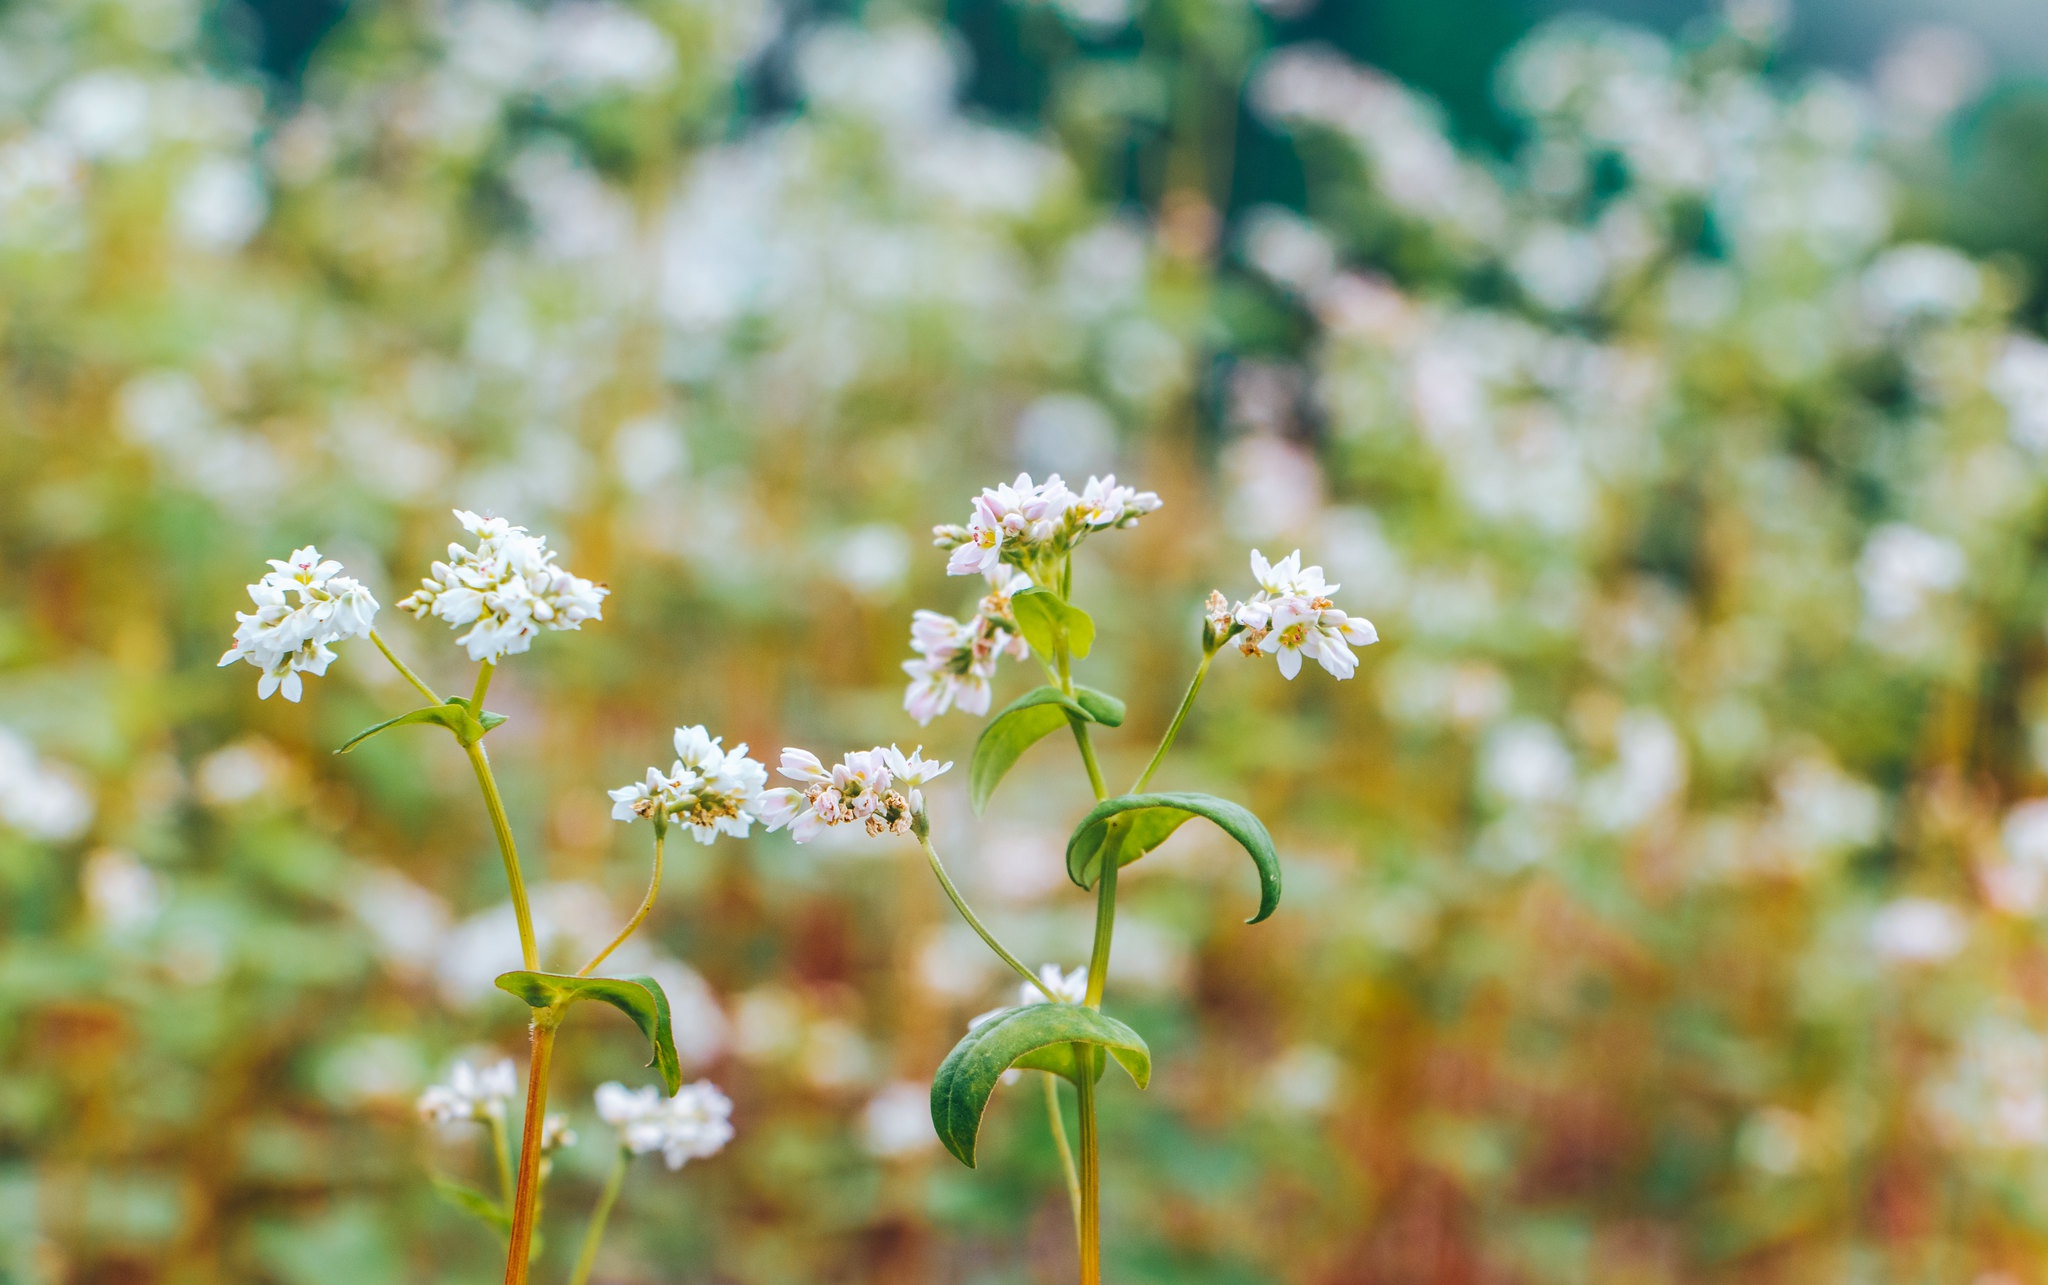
(1068, 988)
(712, 790)
(956, 659)
(555, 1133)
(695, 1123)
(1918, 930)
(302, 605)
(1292, 616)
(507, 590)
(860, 789)
(1030, 525)
(471, 1093)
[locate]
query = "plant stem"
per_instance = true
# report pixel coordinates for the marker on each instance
(502, 827)
(960, 904)
(504, 1159)
(399, 665)
(1091, 1178)
(1088, 756)
(1105, 928)
(528, 1194)
(588, 1257)
(646, 904)
(1180, 715)
(1059, 1138)
(483, 685)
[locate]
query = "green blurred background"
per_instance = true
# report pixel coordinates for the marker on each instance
(1664, 898)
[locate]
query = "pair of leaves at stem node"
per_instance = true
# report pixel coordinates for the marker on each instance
(640, 998)
(1059, 1038)
(1023, 723)
(454, 714)
(1127, 827)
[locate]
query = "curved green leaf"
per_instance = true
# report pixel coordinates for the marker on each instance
(1127, 827)
(640, 998)
(453, 714)
(1046, 619)
(1101, 706)
(1026, 1036)
(1023, 723)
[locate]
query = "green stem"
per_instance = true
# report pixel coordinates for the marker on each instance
(588, 1257)
(504, 1159)
(960, 904)
(1105, 928)
(502, 827)
(483, 685)
(1059, 1138)
(399, 665)
(1091, 1177)
(646, 904)
(1180, 715)
(527, 1198)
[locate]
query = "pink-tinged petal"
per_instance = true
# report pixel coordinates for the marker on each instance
(780, 806)
(802, 765)
(808, 826)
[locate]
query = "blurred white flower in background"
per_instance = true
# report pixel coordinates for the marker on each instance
(1525, 762)
(694, 1124)
(123, 895)
(1902, 568)
(1918, 930)
(471, 1093)
(1995, 1093)
(2019, 379)
(104, 114)
(40, 799)
(897, 1121)
(407, 923)
(220, 204)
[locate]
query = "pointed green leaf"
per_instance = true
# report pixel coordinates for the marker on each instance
(1027, 1037)
(1046, 619)
(1101, 706)
(640, 998)
(1015, 728)
(1126, 828)
(471, 1201)
(453, 714)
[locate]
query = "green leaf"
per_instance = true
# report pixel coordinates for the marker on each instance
(1045, 619)
(453, 714)
(1126, 828)
(640, 998)
(1026, 1036)
(1101, 706)
(471, 1201)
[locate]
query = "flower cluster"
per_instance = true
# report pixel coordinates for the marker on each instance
(714, 791)
(471, 1093)
(1290, 616)
(507, 590)
(956, 659)
(1029, 526)
(877, 789)
(302, 605)
(694, 1124)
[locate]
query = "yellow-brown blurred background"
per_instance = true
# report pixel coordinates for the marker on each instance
(1664, 897)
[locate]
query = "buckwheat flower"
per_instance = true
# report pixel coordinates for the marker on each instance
(858, 790)
(912, 770)
(1292, 616)
(471, 1093)
(1102, 503)
(694, 1124)
(506, 590)
(640, 799)
(303, 604)
(981, 551)
(710, 789)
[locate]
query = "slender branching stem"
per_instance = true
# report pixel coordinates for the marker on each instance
(400, 666)
(587, 1258)
(527, 1198)
(1105, 928)
(974, 922)
(504, 1159)
(501, 826)
(483, 686)
(646, 904)
(1091, 1177)
(1058, 1121)
(1180, 715)
(1088, 757)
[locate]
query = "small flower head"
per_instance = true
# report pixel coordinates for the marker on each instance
(506, 590)
(875, 789)
(710, 789)
(1030, 526)
(555, 1133)
(956, 660)
(695, 1123)
(471, 1093)
(303, 604)
(1291, 616)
